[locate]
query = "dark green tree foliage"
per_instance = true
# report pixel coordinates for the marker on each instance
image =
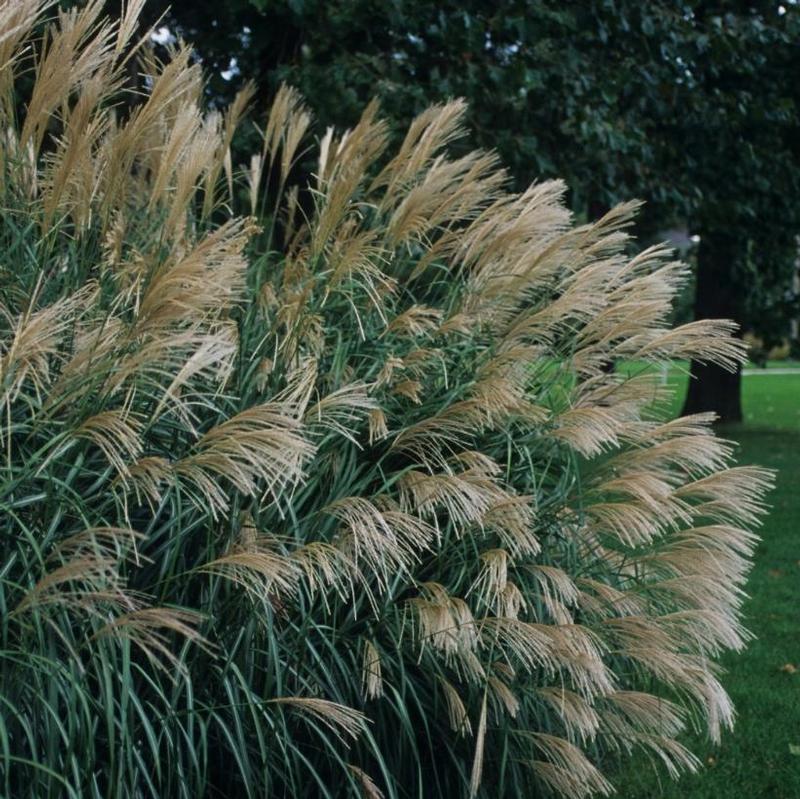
(689, 105)
(740, 137)
(531, 72)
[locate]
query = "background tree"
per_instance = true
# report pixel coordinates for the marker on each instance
(691, 106)
(739, 135)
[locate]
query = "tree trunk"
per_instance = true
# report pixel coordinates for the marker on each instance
(712, 388)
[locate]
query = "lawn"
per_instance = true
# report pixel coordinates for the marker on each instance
(761, 758)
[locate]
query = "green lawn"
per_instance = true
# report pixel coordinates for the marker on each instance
(757, 759)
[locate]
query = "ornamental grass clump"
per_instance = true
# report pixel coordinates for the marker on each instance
(348, 499)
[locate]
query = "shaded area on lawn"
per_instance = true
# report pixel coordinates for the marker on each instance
(759, 758)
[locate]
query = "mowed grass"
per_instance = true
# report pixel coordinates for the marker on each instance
(761, 757)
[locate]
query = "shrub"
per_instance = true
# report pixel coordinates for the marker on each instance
(352, 504)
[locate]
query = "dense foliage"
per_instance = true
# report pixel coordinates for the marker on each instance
(351, 504)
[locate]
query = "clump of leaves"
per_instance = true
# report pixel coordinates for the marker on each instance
(351, 504)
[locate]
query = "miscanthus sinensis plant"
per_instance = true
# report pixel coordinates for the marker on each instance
(352, 503)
